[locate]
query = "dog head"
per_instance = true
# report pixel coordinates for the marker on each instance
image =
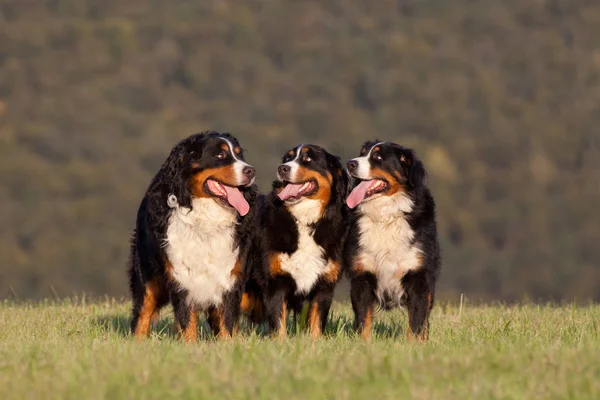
(209, 165)
(384, 169)
(309, 172)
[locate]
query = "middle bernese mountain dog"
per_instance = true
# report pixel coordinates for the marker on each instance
(302, 225)
(193, 229)
(392, 251)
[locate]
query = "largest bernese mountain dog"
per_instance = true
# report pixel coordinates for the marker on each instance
(392, 250)
(298, 256)
(192, 234)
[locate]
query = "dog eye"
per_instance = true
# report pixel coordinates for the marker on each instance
(222, 155)
(306, 158)
(377, 156)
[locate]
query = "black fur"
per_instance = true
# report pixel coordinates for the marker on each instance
(148, 259)
(280, 234)
(418, 285)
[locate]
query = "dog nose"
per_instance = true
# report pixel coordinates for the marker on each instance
(283, 169)
(352, 165)
(249, 172)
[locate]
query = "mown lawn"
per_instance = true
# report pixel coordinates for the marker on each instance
(77, 350)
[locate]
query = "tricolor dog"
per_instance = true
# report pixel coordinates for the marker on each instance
(302, 225)
(191, 237)
(392, 251)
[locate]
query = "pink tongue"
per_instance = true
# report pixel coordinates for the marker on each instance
(237, 200)
(358, 194)
(291, 190)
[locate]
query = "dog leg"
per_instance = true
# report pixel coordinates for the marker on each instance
(230, 312)
(213, 317)
(318, 312)
(277, 314)
(146, 304)
(362, 295)
(419, 302)
(186, 317)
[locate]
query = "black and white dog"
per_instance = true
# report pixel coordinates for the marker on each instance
(392, 251)
(302, 224)
(192, 232)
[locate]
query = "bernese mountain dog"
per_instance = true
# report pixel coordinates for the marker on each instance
(302, 225)
(392, 250)
(192, 232)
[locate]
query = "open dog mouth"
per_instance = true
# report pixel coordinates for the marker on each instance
(366, 189)
(228, 195)
(294, 191)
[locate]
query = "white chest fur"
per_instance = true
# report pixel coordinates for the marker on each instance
(200, 246)
(386, 243)
(308, 262)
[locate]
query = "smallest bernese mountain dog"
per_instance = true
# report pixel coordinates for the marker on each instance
(298, 256)
(393, 255)
(193, 229)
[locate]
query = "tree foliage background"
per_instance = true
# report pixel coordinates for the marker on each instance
(501, 99)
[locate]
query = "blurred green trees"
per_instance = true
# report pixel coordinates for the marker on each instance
(501, 99)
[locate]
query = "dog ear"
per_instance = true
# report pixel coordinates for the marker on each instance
(413, 168)
(367, 145)
(176, 175)
(340, 184)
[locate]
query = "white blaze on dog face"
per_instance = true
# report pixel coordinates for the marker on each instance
(307, 173)
(238, 165)
(307, 179)
(363, 171)
(293, 164)
(375, 182)
(218, 171)
(385, 171)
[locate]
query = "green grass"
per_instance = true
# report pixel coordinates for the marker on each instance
(73, 350)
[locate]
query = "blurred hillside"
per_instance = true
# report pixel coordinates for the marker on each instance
(501, 99)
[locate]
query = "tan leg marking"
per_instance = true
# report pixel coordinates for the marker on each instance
(282, 333)
(190, 334)
(149, 305)
(314, 321)
(367, 328)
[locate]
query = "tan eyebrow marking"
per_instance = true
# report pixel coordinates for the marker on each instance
(291, 152)
(237, 150)
(305, 149)
(224, 147)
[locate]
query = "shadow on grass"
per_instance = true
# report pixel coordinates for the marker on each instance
(163, 328)
(296, 326)
(121, 324)
(344, 326)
